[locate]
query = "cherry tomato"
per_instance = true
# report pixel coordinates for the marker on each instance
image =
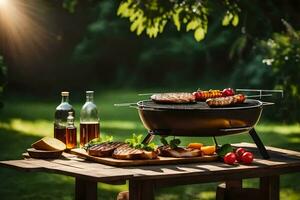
(239, 152)
(228, 92)
(247, 158)
(230, 158)
(197, 95)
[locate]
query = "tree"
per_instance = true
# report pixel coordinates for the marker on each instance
(151, 16)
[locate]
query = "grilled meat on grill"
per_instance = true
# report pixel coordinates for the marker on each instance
(204, 95)
(125, 152)
(226, 101)
(104, 149)
(179, 152)
(173, 98)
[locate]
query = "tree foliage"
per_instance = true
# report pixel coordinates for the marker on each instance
(282, 53)
(151, 16)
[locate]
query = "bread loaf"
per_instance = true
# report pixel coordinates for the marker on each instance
(50, 144)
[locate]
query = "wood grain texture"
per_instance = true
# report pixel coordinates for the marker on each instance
(282, 161)
(160, 161)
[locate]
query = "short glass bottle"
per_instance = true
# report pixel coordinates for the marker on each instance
(89, 120)
(60, 118)
(71, 132)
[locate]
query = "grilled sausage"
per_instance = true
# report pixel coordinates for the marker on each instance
(226, 101)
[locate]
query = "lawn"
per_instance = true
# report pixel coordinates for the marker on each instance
(26, 119)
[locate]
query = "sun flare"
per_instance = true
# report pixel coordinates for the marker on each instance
(22, 33)
(3, 3)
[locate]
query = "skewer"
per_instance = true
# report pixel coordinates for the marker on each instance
(260, 91)
(237, 90)
(134, 104)
(124, 104)
(145, 94)
(260, 95)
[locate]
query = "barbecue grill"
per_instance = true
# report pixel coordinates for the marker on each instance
(200, 120)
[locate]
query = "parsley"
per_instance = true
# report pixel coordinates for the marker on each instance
(136, 142)
(174, 143)
(100, 140)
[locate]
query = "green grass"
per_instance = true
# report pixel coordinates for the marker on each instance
(24, 120)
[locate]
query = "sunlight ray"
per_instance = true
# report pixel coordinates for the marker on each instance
(23, 28)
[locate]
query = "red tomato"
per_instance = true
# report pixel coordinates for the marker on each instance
(239, 152)
(247, 158)
(228, 92)
(197, 95)
(230, 158)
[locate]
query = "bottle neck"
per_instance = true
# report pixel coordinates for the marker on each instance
(70, 122)
(65, 99)
(89, 98)
(70, 119)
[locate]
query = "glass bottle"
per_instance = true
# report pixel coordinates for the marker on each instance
(71, 136)
(89, 120)
(61, 114)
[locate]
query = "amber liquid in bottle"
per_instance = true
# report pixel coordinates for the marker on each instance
(60, 133)
(88, 131)
(71, 139)
(60, 117)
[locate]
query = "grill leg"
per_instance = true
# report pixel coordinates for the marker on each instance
(150, 136)
(261, 147)
(215, 141)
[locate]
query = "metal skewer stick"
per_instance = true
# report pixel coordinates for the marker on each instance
(124, 104)
(260, 96)
(147, 94)
(260, 91)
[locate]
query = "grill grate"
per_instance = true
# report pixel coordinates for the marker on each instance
(249, 103)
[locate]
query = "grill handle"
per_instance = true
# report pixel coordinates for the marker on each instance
(248, 128)
(268, 103)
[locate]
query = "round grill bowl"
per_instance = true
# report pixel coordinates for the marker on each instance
(199, 119)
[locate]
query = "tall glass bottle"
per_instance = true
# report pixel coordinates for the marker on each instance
(89, 120)
(71, 136)
(61, 114)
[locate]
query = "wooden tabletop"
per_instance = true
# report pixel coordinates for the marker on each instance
(282, 161)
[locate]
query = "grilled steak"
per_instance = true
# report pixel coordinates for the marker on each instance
(104, 149)
(125, 152)
(173, 98)
(179, 152)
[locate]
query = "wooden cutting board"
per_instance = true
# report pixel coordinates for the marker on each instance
(159, 161)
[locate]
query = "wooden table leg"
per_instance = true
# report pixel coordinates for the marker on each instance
(229, 190)
(85, 190)
(141, 190)
(270, 188)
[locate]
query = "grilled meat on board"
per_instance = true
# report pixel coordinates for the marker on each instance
(173, 98)
(125, 152)
(179, 152)
(104, 149)
(226, 101)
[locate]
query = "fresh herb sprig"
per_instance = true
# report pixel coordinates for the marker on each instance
(99, 140)
(174, 143)
(136, 142)
(224, 149)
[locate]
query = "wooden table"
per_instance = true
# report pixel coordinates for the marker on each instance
(144, 180)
